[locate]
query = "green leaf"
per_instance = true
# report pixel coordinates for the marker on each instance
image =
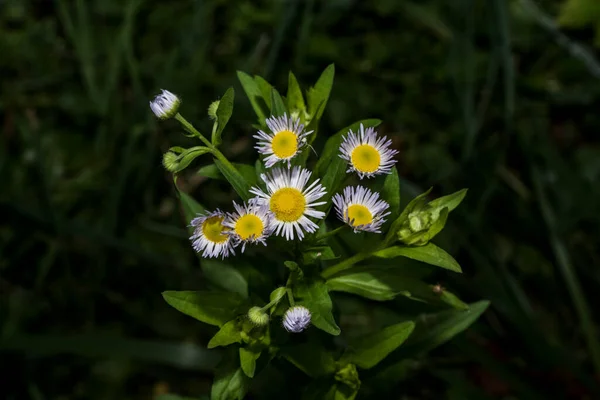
(248, 359)
(224, 112)
(230, 383)
(254, 95)
(265, 91)
(391, 193)
(294, 98)
(186, 157)
(415, 204)
(366, 352)
(310, 358)
(235, 178)
(315, 297)
(225, 276)
(191, 208)
(228, 334)
(430, 254)
(277, 104)
(450, 201)
(214, 308)
(212, 171)
(319, 94)
(321, 253)
(434, 329)
(382, 283)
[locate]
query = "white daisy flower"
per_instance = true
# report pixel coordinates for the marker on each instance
(296, 319)
(290, 202)
(249, 224)
(210, 235)
(165, 105)
(361, 209)
(284, 142)
(367, 154)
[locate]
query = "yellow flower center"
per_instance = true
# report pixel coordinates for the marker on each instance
(359, 215)
(212, 229)
(365, 158)
(248, 226)
(287, 204)
(284, 144)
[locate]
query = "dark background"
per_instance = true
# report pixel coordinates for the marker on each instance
(489, 95)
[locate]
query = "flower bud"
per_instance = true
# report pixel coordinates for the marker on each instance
(170, 161)
(257, 316)
(296, 319)
(348, 375)
(212, 109)
(165, 105)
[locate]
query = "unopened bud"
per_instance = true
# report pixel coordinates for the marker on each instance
(165, 105)
(212, 109)
(257, 316)
(170, 161)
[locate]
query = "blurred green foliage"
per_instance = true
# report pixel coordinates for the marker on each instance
(489, 95)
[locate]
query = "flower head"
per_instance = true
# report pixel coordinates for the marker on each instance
(367, 154)
(296, 319)
(290, 202)
(284, 142)
(361, 209)
(249, 224)
(165, 105)
(210, 235)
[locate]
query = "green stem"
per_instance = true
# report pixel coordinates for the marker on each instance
(290, 297)
(344, 265)
(569, 274)
(190, 128)
(330, 233)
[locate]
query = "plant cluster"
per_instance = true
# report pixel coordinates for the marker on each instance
(286, 198)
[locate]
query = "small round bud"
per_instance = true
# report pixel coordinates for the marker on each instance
(415, 223)
(165, 105)
(257, 316)
(212, 109)
(296, 319)
(170, 161)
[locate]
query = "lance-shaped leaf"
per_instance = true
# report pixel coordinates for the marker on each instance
(318, 95)
(224, 112)
(254, 95)
(434, 329)
(311, 358)
(225, 276)
(368, 351)
(315, 297)
(235, 178)
(277, 104)
(247, 171)
(214, 308)
(294, 98)
(228, 334)
(316, 254)
(450, 202)
(230, 382)
(265, 90)
(248, 357)
(191, 208)
(430, 254)
(382, 283)
(391, 193)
